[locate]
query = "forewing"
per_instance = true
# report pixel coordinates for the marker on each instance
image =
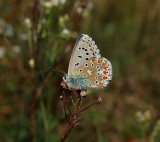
(84, 49)
(97, 71)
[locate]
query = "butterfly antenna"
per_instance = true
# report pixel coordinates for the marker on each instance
(57, 70)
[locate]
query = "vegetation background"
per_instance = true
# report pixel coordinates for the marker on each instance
(37, 34)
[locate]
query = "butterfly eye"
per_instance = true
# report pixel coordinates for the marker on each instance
(65, 78)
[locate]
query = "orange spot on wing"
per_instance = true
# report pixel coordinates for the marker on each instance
(105, 72)
(105, 77)
(99, 61)
(100, 84)
(97, 85)
(104, 64)
(105, 68)
(93, 60)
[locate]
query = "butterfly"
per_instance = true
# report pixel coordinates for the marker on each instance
(87, 69)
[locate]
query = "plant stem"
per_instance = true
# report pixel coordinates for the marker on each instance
(67, 133)
(35, 16)
(86, 108)
(73, 122)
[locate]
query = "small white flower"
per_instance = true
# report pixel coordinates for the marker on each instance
(6, 28)
(2, 52)
(23, 36)
(63, 1)
(9, 31)
(16, 49)
(28, 23)
(139, 114)
(147, 114)
(66, 31)
(31, 63)
(79, 10)
(57, 2)
(48, 4)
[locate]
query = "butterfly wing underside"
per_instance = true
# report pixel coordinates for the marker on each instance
(84, 49)
(97, 72)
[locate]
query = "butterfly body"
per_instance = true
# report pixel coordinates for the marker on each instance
(87, 69)
(77, 82)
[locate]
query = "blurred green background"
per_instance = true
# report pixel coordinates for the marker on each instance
(37, 34)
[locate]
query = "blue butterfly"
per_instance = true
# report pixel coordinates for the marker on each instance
(87, 69)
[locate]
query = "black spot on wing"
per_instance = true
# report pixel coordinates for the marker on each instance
(76, 64)
(80, 56)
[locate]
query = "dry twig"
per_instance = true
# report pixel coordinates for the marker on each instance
(74, 114)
